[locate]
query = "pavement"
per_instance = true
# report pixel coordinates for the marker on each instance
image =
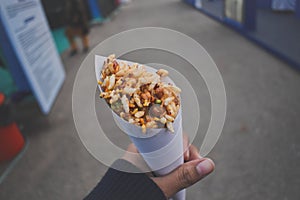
(257, 156)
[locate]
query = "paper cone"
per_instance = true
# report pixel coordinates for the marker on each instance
(161, 149)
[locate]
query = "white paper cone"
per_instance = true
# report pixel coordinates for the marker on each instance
(161, 149)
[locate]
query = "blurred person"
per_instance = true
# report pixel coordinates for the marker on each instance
(77, 25)
(124, 185)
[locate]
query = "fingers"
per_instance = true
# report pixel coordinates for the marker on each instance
(191, 153)
(185, 176)
(192, 172)
(194, 153)
(132, 148)
(132, 155)
(186, 151)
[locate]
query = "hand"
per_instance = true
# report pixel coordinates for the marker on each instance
(193, 170)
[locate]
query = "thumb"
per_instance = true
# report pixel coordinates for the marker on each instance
(184, 176)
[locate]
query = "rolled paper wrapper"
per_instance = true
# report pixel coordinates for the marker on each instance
(161, 149)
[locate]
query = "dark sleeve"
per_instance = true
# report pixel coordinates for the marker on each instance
(121, 185)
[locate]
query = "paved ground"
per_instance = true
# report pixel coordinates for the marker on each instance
(257, 156)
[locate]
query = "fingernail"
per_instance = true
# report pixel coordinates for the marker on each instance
(204, 167)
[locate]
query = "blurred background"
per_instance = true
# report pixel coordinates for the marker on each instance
(255, 44)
